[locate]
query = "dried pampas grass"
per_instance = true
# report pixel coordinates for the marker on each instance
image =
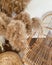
(4, 21)
(36, 26)
(10, 6)
(16, 34)
(25, 17)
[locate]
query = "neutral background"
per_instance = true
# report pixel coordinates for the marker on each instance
(37, 8)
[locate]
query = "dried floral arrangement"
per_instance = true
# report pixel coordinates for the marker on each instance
(13, 6)
(17, 28)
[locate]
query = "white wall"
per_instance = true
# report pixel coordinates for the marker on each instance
(39, 7)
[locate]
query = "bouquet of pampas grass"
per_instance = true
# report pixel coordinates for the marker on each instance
(17, 29)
